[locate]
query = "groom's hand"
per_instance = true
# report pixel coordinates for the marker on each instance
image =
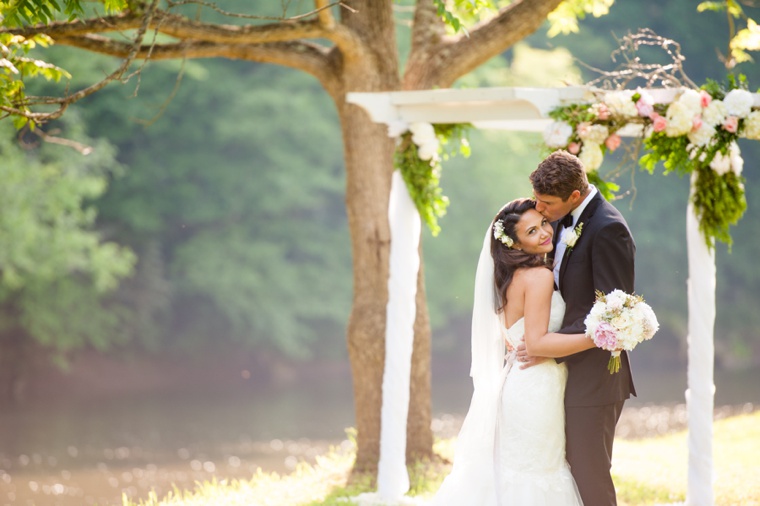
(525, 359)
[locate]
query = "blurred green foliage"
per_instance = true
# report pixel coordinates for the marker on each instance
(54, 266)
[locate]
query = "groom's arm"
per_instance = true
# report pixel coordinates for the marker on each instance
(612, 267)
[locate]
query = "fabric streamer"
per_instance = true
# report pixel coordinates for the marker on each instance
(701, 389)
(405, 228)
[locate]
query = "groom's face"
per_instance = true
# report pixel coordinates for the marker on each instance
(554, 208)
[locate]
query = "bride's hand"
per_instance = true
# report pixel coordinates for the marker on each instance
(525, 359)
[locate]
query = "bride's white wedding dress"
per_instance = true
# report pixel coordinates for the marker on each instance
(511, 449)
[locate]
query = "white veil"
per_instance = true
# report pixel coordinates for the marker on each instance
(472, 479)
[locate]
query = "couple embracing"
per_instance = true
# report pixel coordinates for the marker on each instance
(541, 422)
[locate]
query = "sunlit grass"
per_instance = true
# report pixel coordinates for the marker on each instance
(308, 484)
(646, 472)
(654, 470)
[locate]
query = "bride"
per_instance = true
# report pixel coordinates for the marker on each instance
(511, 448)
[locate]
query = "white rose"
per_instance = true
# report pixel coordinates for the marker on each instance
(752, 126)
(651, 325)
(595, 134)
(721, 163)
(422, 133)
(557, 134)
(623, 321)
(703, 135)
(621, 103)
(738, 103)
(735, 155)
(571, 237)
(428, 151)
(715, 113)
(591, 156)
(679, 120)
(616, 298)
(692, 100)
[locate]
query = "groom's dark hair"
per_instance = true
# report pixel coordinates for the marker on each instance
(560, 174)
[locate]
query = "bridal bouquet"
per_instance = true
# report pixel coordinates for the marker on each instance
(619, 321)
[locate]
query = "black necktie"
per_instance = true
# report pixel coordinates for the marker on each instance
(567, 221)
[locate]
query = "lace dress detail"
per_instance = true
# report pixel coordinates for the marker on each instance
(530, 460)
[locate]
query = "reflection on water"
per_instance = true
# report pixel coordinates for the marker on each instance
(89, 453)
(86, 453)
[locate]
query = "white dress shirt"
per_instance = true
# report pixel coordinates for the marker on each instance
(562, 231)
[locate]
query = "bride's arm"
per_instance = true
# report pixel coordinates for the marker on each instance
(538, 342)
(558, 345)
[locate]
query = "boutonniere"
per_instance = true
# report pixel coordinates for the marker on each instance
(572, 237)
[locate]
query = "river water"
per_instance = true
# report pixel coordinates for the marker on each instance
(76, 453)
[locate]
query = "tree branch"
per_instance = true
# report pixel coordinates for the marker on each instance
(183, 28)
(456, 56)
(311, 58)
(131, 51)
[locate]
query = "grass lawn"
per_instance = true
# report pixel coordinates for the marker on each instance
(646, 472)
(652, 471)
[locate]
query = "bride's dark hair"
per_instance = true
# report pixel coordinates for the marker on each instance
(506, 260)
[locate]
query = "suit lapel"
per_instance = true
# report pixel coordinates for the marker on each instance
(584, 219)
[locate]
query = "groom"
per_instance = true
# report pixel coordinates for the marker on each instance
(594, 250)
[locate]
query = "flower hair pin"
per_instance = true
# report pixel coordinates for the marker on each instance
(500, 235)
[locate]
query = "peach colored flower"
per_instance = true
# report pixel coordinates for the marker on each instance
(601, 111)
(645, 109)
(574, 148)
(612, 142)
(645, 103)
(731, 124)
(659, 123)
(705, 98)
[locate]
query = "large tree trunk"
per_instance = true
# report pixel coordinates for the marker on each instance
(419, 434)
(368, 159)
(369, 165)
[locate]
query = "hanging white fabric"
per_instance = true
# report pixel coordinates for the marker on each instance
(701, 390)
(405, 227)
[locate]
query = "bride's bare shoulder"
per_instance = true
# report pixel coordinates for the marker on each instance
(534, 277)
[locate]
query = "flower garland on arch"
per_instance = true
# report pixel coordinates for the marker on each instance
(694, 134)
(419, 151)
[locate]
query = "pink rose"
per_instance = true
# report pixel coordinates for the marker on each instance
(574, 148)
(645, 108)
(583, 129)
(704, 98)
(696, 123)
(731, 124)
(603, 112)
(612, 142)
(659, 123)
(605, 337)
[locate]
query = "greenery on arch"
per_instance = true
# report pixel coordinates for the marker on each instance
(695, 134)
(418, 157)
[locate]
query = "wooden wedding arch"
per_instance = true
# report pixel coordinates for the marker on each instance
(520, 109)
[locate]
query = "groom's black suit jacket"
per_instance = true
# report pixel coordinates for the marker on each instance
(602, 259)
